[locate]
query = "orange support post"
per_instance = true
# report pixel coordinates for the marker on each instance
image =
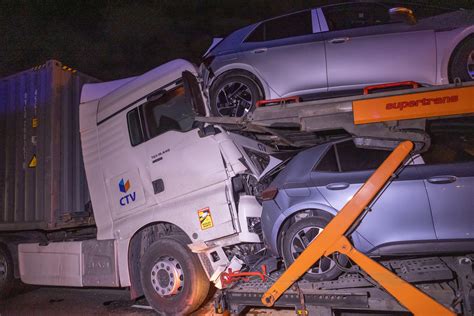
(332, 239)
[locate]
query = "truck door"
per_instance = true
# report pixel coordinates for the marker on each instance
(180, 163)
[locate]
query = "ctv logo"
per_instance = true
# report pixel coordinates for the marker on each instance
(124, 187)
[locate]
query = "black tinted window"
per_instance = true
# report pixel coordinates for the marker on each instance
(258, 35)
(287, 26)
(352, 158)
(452, 140)
(168, 111)
(329, 162)
(349, 16)
(134, 128)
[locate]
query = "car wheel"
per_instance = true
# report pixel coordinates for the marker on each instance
(234, 95)
(7, 278)
(462, 65)
(298, 237)
(173, 280)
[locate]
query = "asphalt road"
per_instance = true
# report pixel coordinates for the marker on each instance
(80, 301)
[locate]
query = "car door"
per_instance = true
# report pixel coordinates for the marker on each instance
(400, 214)
(364, 47)
(448, 174)
(288, 53)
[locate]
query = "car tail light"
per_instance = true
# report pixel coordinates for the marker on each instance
(269, 194)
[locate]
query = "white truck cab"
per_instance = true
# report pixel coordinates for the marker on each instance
(168, 195)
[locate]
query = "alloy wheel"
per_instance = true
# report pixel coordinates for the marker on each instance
(300, 242)
(234, 99)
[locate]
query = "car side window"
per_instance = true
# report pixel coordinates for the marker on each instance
(349, 16)
(292, 25)
(452, 141)
(352, 158)
(329, 162)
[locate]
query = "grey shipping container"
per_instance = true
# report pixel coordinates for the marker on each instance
(42, 178)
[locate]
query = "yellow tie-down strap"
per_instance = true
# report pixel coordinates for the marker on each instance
(444, 102)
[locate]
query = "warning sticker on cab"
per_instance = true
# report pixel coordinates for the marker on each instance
(205, 218)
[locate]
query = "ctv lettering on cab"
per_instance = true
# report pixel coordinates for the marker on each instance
(124, 186)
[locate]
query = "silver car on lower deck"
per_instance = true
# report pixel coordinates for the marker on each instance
(427, 209)
(336, 49)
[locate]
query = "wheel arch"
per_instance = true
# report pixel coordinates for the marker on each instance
(447, 47)
(455, 50)
(316, 209)
(244, 69)
(139, 242)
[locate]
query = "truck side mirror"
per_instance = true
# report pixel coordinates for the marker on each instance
(402, 14)
(193, 93)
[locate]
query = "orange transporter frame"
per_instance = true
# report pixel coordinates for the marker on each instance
(332, 239)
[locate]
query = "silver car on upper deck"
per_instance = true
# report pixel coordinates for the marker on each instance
(336, 49)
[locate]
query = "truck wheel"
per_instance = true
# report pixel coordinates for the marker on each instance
(298, 237)
(172, 277)
(462, 63)
(234, 95)
(7, 279)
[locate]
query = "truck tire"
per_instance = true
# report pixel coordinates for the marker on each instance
(173, 280)
(297, 238)
(7, 279)
(462, 62)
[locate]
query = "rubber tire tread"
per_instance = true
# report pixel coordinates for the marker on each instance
(286, 248)
(458, 63)
(193, 294)
(8, 287)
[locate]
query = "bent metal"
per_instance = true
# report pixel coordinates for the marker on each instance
(425, 101)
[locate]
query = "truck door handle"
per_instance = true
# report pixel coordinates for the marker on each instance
(259, 50)
(337, 186)
(158, 186)
(442, 179)
(338, 40)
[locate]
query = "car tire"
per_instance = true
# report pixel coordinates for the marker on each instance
(247, 93)
(307, 229)
(8, 283)
(462, 62)
(173, 280)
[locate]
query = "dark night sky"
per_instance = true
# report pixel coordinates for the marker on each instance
(115, 39)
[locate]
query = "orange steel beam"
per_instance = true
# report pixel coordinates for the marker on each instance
(409, 296)
(329, 240)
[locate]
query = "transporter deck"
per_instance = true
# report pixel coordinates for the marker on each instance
(351, 291)
(378, 120)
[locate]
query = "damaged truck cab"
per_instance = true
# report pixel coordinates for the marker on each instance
(154, 173)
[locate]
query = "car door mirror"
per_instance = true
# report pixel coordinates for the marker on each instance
(402, 14)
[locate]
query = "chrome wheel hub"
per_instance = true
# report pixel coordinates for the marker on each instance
(300, 242)
(167, 276)
(470, 65)
(234, 99)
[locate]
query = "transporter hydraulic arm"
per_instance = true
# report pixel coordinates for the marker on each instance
(332, 239)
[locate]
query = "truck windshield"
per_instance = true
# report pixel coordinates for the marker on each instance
(167, 112)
